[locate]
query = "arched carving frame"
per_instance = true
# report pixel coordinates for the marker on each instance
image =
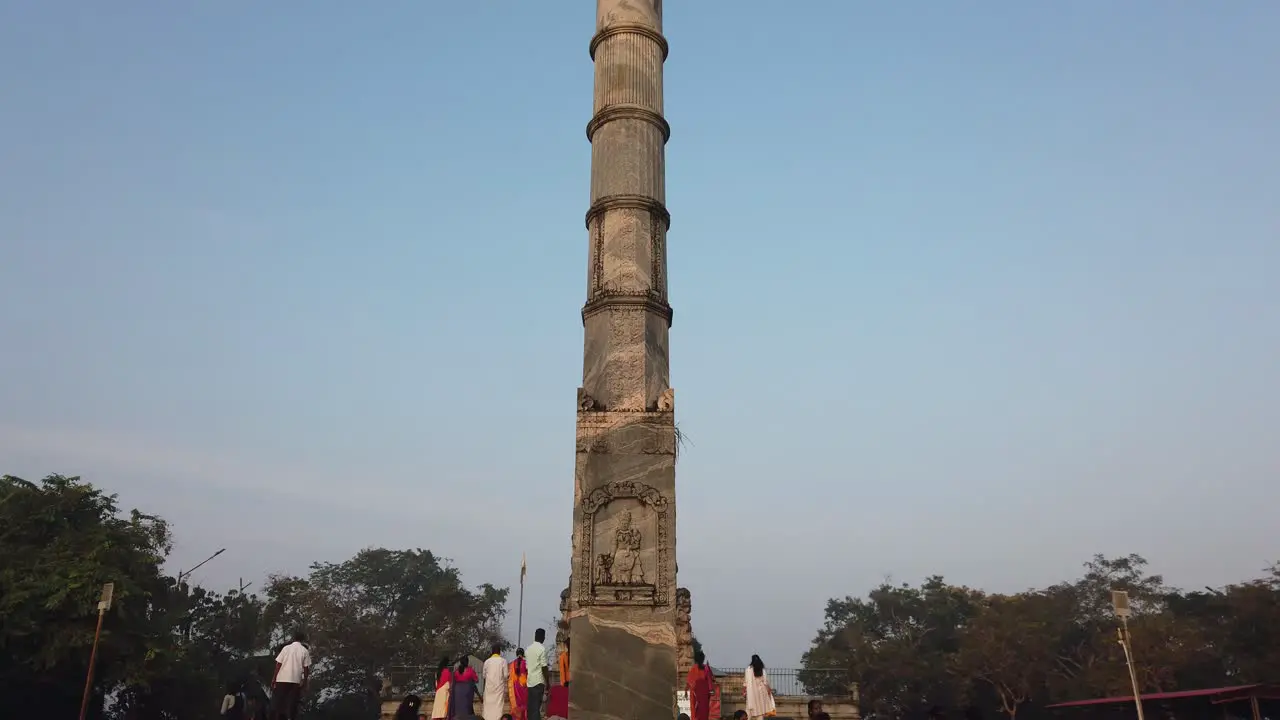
(657, 507)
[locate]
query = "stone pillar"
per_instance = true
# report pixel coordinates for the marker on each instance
(621, 605)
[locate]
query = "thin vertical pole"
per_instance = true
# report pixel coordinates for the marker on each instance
(1128, 660)
(520, 613)
(93, 658)
(1253, 705)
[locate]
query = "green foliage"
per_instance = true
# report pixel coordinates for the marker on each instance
(913, 648)
(168, 650)
(895, 643)
(382, 609)
(61, 540)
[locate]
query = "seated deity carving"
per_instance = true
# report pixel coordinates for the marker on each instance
(585, 401)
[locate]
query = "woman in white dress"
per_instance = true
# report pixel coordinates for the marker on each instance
(755, 686)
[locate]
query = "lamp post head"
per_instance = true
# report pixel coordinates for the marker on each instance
(1120, 604)
(107, 591)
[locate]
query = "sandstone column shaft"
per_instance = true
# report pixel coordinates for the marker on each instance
(621, 603)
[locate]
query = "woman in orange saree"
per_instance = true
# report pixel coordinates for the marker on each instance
(518, 687)
(701, 684)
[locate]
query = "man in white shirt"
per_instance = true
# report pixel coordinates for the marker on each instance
(495, 684)
(536, 657)
(293, 669)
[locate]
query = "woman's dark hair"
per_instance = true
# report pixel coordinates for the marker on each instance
(233, 688)
(757, 665)
(409, 708)
(461, 664)
(699, 658)
(519, 652)
(444, 665)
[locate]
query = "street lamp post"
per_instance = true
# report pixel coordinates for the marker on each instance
(1120, 604)
(103, 606)
(182, 574)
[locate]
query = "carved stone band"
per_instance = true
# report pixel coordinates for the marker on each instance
(628, 112)
(628, 202)
(627, 301)
(631, 28)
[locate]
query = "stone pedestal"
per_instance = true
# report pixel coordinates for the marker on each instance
(622, 597)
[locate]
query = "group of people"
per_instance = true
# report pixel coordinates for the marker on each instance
(704, 692)
(293, 669)
(518, 690)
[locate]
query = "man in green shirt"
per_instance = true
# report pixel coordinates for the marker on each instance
(536, 657)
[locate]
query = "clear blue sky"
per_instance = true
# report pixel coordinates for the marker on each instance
(973, 290)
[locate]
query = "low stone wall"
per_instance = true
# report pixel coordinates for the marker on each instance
(842, 707)
(789, 706)
(797, 707)
(389, 707)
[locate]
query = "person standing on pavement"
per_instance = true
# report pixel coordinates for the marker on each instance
(536, 657)
(293, 668)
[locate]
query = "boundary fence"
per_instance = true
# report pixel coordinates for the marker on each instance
(796, 682)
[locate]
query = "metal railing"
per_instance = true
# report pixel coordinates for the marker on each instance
(794, 682)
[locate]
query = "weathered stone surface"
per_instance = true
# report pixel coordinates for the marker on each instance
(620, 607)
(684, 630)
(622, 668)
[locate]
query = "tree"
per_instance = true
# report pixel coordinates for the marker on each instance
(61, 540)
(896, 644)
(381, 609)
(912, 648)
(213, 639)
(166, 649)
(1089, 662)
(1239, 627)
(1010, 645)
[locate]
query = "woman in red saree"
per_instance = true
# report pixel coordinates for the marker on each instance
(518, 687)
(701, 685)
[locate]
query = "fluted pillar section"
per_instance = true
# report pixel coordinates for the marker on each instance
(620, 606)
(627, 316)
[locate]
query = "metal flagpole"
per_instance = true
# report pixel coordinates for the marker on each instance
(524, 568)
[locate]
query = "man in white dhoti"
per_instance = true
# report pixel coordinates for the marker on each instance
(495, 685)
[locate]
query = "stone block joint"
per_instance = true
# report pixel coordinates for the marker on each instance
(629, 28)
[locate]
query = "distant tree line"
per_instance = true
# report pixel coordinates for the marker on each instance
(169, 649)
(913, 650)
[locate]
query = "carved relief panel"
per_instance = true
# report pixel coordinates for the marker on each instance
(625, 546)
